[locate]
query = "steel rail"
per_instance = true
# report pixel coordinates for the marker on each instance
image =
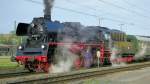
(13, 74)
(77, 75)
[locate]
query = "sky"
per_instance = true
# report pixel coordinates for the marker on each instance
(133, 15)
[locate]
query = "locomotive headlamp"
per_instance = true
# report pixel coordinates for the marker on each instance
(43, 46)
(20, 47)
(32, 24)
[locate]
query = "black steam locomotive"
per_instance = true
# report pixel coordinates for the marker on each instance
(44, 35)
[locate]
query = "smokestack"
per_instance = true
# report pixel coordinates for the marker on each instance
(48, 8)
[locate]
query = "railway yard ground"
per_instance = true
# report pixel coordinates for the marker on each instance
(6, 66)
(139, 76)
(12, 71)
(5, 63)
(130, 74)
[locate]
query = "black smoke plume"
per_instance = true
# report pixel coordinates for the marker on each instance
(48, 8)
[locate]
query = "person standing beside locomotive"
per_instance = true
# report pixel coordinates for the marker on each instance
(98, 54)
(87, 58)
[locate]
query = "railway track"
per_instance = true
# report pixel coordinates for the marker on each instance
(75, 75)
(13, 74)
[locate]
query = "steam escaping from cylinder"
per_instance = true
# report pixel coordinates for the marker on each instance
(114, 54)
(48, 8)
(114, 58)
(64, 57)
(64, 60)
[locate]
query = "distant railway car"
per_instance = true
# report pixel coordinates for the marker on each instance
(134, 46)
(125, 49)
(143, 47)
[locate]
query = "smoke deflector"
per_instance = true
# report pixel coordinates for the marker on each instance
(22, 29)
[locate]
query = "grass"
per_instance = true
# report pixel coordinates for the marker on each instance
(5, 63)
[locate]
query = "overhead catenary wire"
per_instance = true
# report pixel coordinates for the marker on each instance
(122, 22)
(87, 14)
(86, 6)
(83, 13)
(94, 9)
(135, 6)
(123, 8)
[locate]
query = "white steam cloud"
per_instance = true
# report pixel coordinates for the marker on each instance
(64, 57)
(114, 58)
(64, 60)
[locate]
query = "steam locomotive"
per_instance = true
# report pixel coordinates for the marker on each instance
(44, 37)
